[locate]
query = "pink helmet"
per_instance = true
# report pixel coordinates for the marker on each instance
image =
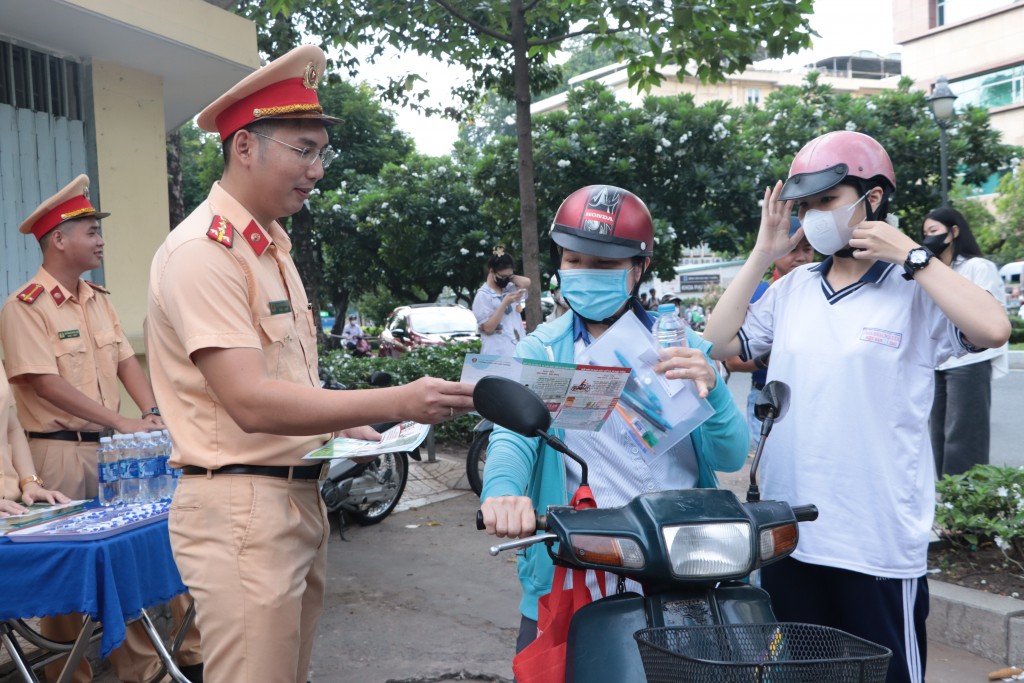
(828, 159)
(604, 221)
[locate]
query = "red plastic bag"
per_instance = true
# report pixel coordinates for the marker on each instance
(543, 660)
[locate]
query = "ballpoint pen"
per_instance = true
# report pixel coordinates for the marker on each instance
(637, 404)
(647, 438)
(650, 397)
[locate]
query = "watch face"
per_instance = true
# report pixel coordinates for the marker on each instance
(918, 256)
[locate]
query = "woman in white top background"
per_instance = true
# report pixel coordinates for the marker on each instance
(960, 418)
(497, 305)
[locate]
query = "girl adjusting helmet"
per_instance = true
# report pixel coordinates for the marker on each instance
(839, 157)
(606, 222)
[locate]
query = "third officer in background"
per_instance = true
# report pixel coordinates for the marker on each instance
(65, 354)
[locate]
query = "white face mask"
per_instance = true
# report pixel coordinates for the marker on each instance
(830, 231)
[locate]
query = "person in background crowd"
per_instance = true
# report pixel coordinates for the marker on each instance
(65, 354)
(652, 300)
(802, 254)
(601, 260)
(960, 422)
(232, 347)
(856, 338)
(496, 305)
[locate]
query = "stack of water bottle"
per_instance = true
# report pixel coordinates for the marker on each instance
(133, 468)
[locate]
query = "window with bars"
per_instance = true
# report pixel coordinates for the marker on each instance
(34, 80)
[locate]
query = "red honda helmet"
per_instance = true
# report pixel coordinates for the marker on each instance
(828, 159)
(602, 220)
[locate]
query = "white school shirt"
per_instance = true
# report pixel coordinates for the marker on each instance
(860, 366)
(983, 273)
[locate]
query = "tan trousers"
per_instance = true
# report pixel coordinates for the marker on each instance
(70, 468)
(253, 553)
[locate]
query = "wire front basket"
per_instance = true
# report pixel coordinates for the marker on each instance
(760, 653)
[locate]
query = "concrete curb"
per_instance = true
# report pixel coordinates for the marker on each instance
(987, 625)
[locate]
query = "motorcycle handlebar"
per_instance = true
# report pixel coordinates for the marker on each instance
(805, 513)
(542, 521)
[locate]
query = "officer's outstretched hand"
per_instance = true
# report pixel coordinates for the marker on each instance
(679, 362)
(432, 400)
(509, 516)
(34, 493)
(10, 507)
(127, 425)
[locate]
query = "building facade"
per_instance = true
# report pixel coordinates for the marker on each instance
(976, 45)
(93, 86)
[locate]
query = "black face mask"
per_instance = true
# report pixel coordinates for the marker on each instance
(502, 282)
(936, 243)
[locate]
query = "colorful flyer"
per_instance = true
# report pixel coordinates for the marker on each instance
(403, 437)
(579, 397)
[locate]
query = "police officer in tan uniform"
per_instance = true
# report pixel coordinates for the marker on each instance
(65, 354)
(18, 478)
(232, 348)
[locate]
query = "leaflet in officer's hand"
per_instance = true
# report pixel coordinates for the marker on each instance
(404, 436)
(578, 396)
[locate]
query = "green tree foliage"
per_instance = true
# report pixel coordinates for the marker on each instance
(1009, 245)
(685, 162)
(899, 119)
(506, 46)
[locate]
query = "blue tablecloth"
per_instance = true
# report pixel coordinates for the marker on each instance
(111, 579)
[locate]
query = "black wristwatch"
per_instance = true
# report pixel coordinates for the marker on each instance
(152, 411)
(917, 259)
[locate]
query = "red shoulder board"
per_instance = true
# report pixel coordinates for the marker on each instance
(256, 238)
(221, 231)
(98, 288)
(31, 293)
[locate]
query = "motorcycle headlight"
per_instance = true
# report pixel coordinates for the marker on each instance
(709, 550)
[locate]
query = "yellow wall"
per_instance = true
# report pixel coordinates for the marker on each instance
(132, 167)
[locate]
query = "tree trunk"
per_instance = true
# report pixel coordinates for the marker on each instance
(524, 143)
(175, 190)
(306, 254)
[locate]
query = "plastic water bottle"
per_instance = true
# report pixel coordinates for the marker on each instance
(669, 328)
(149, 467)
(108, 471)
(167, 481)
(131, 483)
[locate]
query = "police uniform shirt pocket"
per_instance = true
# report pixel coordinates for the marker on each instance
(71, 354)
(277, 335)
(107, 351)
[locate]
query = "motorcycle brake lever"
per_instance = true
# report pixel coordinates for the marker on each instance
(522, 543)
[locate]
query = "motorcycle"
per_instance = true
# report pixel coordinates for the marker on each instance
(366, 492)
(692, 551)
(476, 459)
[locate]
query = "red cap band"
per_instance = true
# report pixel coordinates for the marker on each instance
(289, 96)
(72, 208)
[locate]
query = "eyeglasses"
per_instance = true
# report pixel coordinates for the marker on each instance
(306, 155)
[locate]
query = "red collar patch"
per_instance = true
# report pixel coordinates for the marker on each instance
(57, 295)
(31, 293)
(221, 231)
(256, 238)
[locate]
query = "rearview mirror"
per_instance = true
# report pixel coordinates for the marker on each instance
(511, 405)
(773, 401)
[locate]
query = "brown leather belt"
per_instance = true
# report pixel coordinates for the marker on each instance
(65, 435)
(279, 471)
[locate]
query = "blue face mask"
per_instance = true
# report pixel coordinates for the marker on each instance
(595, 294)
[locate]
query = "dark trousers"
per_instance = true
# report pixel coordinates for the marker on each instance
(527, 633)
(889, 612)
(960, 419)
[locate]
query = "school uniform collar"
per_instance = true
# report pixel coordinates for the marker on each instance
(874, 275)
(579, 328)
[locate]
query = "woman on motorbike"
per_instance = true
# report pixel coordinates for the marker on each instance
(602, 242)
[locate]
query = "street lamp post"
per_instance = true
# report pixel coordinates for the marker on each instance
(941, 103)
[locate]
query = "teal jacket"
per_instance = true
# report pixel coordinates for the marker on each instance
(515, 468)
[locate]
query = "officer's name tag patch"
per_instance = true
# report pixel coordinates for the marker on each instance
(283, 306)
(68, 334)
(883, 337)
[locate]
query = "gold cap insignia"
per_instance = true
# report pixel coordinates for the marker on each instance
(85, 191)
(310, 78)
